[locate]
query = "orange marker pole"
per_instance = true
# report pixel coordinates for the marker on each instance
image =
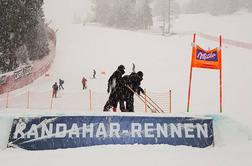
(220, 74)
(7, 100)
(51, 105)
(145, 101)
(28, 99)
(170, 101)
(190, 78)
(90, 100)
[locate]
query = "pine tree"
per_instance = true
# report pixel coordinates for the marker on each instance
(123, 13)
(147, 15)
(216, 7)
(10, 34)
(168, 11)
(37, 39)
(23, 34)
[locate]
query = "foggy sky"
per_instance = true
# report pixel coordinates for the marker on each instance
(63, 11)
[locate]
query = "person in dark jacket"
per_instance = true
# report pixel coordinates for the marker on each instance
(61, 82)
(84, 83)
(115, 85)
(132, 84)
(55, 90)
(94, 74)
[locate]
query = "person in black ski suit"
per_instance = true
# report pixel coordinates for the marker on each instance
(115, 87)
(131, 82)
(94, 73)
(61, 82)
(55, 90)
(84, 83)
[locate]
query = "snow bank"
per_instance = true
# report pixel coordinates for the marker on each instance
(5, 127)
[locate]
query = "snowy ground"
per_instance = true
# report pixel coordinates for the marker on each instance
(165, 62)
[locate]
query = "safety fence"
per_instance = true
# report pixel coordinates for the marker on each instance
(28, 74)
(79, 101)
(228, 41)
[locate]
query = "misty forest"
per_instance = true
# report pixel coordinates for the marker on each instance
(24, 33)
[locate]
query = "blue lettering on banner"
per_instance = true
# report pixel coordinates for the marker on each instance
(207, 56)
(43, 133)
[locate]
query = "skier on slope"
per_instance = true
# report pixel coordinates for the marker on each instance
(55, 90)
(94, 74)
(61, 82)
(115, 85)
(84, 83)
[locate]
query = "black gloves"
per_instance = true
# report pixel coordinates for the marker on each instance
(140, 90)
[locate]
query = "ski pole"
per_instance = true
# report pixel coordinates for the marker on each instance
(143, 100)
(154, 103)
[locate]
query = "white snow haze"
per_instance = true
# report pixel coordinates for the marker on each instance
(62, 12)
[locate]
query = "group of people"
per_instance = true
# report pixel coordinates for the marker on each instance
(122, 88)
(57, 87)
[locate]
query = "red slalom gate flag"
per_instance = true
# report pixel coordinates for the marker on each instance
(210, 59)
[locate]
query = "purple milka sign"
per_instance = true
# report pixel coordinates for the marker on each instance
(207, 56)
